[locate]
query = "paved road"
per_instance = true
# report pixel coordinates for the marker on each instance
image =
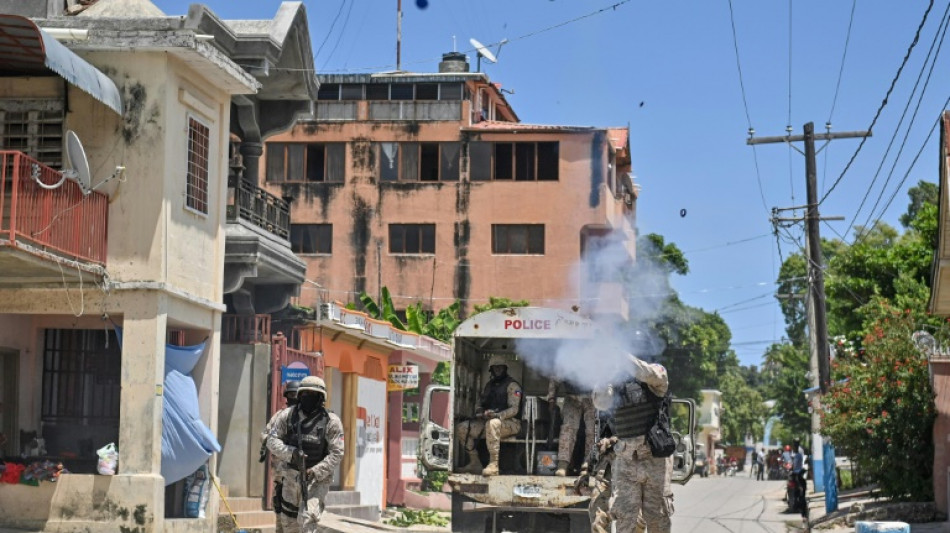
(731, 505)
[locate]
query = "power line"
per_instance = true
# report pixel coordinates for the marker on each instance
(745, 104)
(330, 31)
(933, 44)
(339, 38)
(880, 108)
(844, 55)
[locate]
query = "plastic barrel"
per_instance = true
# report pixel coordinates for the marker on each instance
(877, 527)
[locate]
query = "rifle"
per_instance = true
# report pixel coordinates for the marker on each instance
(301, 465)
(552, 424)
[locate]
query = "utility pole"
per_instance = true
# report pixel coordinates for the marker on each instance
(816, 292)
(817, 320)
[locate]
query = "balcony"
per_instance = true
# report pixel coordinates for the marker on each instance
(45, 219)
(258, 207)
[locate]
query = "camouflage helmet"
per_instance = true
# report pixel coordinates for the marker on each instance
(498, 360)
(312, 383)
(290, 388)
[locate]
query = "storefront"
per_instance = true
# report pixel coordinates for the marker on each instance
(380, 419)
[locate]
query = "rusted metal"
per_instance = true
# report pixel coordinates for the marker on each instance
(518, 491)
(61, 220)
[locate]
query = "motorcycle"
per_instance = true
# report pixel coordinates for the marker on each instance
(795, 493)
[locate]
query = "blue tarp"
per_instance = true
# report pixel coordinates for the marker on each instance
(187, 443)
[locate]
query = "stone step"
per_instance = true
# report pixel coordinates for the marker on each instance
(343, 497)
(363, 512)
(239, 504)
(254, 519)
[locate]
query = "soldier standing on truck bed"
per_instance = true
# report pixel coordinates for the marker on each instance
(640, 481)
(497, 416)
(576, 406)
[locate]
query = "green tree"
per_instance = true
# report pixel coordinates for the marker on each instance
(697, 348)
(883, 413)
(924, 193)
(743, 412)
(785, 375)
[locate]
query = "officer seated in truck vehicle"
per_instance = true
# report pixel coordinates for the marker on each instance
(497, 416)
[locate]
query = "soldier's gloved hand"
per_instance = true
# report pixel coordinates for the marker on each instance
(605, 445)
(310, 476)
(298, 456)
(583, 481)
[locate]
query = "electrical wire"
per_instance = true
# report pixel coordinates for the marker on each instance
(844, 55)
(880, 108)
(939, 34)
(339, 38)
(745, 104)
(330, 31)
(789, 121)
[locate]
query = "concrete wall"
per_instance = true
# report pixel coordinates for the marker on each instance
(362, 208)
(242, 408)
(941, 434)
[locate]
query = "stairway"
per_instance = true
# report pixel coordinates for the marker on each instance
(251, 516)
(347, 503)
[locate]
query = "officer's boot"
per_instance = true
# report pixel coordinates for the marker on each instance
(561, 469)
(474, 465)
(492, 468)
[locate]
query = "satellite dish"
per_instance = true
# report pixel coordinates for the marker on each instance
(78, 163)
(482, 51)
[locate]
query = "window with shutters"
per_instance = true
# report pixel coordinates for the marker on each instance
(34, 127)
(517, 239)
(412, 238)
(311, 238)
(518, 161)
(413, 161)
(199, 146)
(305, 162)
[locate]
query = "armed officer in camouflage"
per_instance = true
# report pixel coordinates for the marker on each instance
(290, 396)
(307, 440)
(497, 416)
(640, 482)
(576, 405)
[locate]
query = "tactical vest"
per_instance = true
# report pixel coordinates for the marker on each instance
(496, 395)
(313, 438)
(638, 409)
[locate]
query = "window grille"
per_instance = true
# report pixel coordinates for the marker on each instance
(34, 127)
(81, 376)
(199, 146)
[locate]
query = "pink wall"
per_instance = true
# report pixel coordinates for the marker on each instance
(941, 434)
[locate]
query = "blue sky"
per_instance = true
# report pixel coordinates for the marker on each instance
(688, 137)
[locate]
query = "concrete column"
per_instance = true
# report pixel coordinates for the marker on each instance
(143, 374)
(350, 408)
(252, 151)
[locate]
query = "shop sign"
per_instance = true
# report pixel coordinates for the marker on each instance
(295, 371)
(402, 377)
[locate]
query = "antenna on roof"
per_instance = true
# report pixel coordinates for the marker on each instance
(483, 51)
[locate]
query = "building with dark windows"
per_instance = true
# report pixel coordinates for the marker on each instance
(429, 185)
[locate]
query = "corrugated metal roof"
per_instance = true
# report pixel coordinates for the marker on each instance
(27, 50)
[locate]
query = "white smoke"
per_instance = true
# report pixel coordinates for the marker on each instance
(604, 358)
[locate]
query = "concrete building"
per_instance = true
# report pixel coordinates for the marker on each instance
(710, 426)
(162, 252)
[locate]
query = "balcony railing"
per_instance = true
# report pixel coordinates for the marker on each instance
(245, 329)
(58, 219)
(260, 208)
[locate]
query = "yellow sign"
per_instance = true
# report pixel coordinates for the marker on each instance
(402, 377)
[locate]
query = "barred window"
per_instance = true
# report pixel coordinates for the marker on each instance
(199, 145)
(34, 127)
(81, 376)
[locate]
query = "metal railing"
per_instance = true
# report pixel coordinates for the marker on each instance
(245, 329)
(260, 208)
(57, 218)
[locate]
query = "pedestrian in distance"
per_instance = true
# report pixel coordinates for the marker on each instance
(307, 440)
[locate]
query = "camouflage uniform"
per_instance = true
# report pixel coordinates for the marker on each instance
(319, 476)
(575, 406)
(497, 423)
(641, 482)
(278, 466)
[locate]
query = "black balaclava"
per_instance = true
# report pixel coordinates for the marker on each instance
(310, 402)
(291, 399)
(498, 372)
